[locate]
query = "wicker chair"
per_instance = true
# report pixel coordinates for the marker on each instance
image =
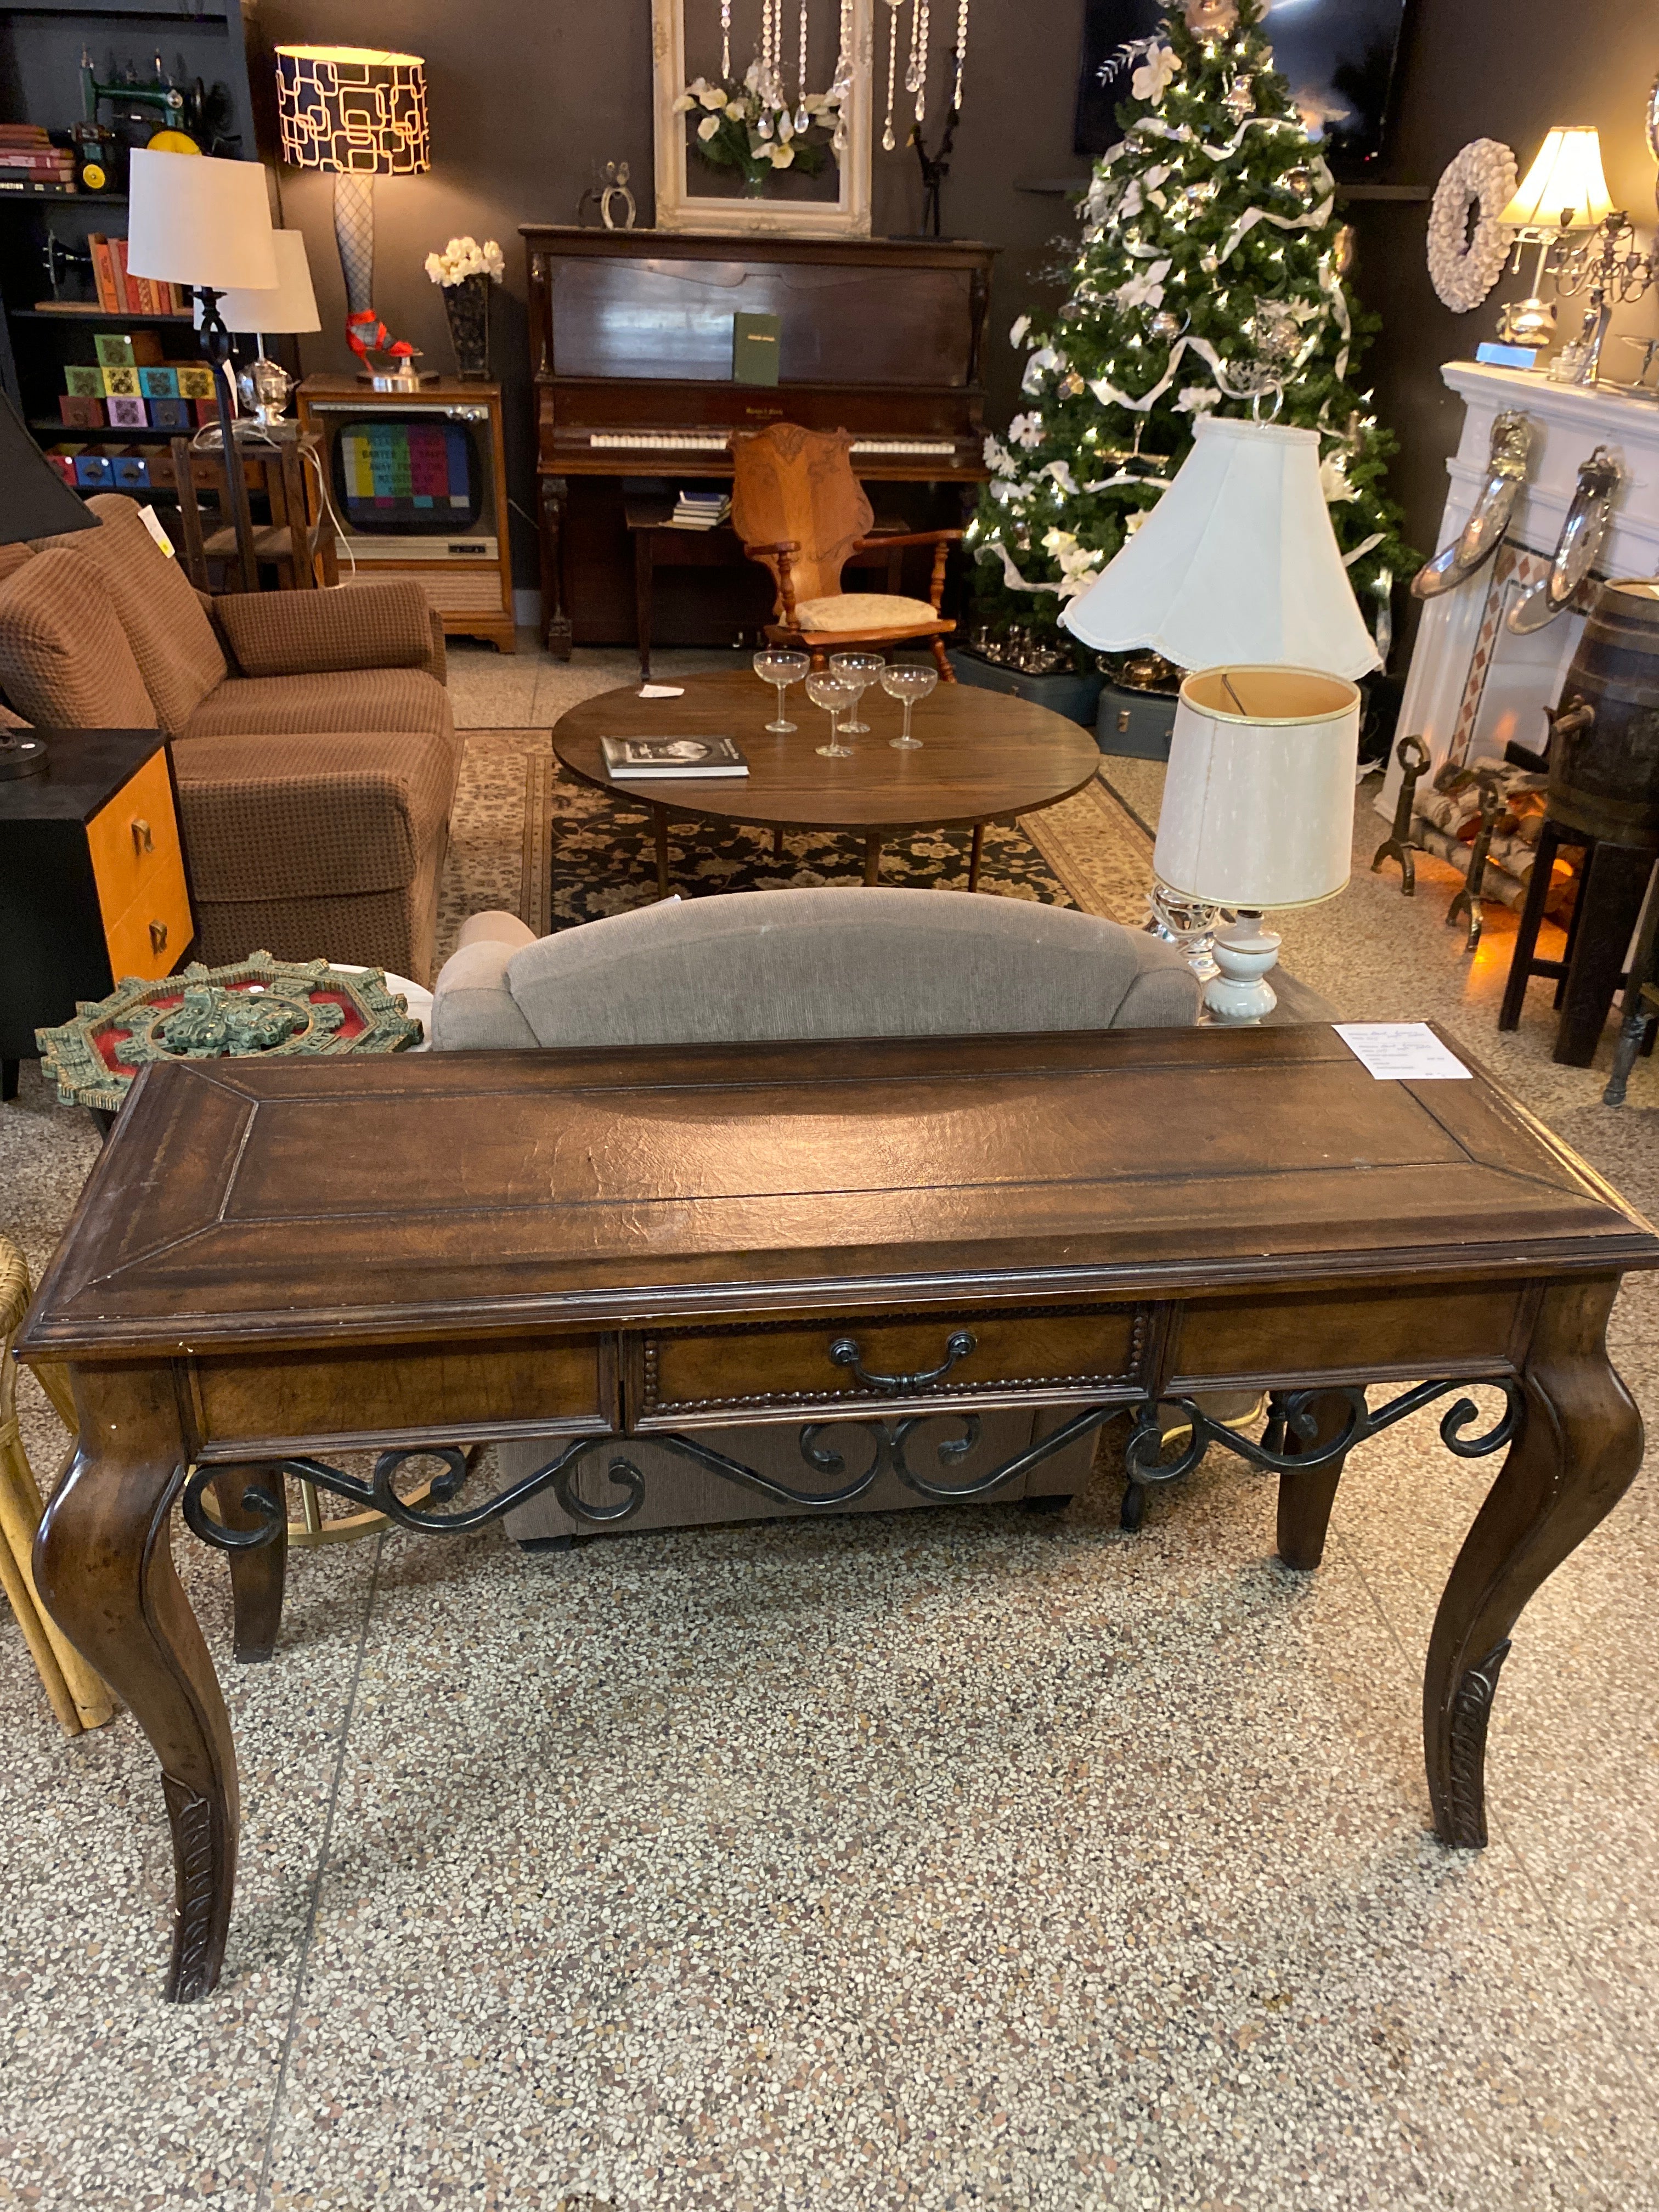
(77, 1697)
(802, 514)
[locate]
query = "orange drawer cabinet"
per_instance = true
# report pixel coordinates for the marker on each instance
(93, 885)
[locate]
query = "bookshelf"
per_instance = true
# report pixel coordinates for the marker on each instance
(48, 320)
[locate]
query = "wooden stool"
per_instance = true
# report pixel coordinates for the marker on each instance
(77, 1697)
(1613, 885)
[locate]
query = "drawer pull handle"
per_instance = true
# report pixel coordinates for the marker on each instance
(158, 936)
(141, 840)
(846, 1353)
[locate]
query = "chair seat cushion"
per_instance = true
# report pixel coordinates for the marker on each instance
(864, 613)
(350, 699)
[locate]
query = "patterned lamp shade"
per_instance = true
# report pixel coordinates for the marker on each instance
(353, 110)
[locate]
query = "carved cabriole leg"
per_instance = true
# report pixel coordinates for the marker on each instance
(103, 1563)
(1305, 1500)
(1578, 1453)
(257, 1576)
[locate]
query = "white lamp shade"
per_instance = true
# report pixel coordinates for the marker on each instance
(290, 306)
(193, 220)
(1236, 562)
(1564, 188)
(1258, 803)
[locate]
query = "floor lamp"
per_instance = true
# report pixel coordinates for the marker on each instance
(206, 224)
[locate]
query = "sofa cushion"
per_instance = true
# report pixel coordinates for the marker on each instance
(835, 963)
(12, 558)
(172, 640)
(65, 659)
(312, 814)
(357, 699)
(385, 623)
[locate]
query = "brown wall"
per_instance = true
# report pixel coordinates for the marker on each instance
(526, 100)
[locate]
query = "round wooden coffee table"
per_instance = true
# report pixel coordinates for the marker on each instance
(983, 756)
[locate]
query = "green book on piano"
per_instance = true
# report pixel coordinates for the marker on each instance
(754, 348)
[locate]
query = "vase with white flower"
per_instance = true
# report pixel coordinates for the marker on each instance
(466, 270)
(749, 128)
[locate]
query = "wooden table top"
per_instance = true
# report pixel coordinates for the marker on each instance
(983, 754)
(256, 1204)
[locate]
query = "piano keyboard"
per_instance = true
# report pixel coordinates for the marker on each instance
(714, 442)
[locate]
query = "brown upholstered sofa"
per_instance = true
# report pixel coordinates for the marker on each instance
(311, 734)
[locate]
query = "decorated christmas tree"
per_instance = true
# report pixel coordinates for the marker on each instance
(1209, 276)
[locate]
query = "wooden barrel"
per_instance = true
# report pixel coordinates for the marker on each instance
(1604, 756)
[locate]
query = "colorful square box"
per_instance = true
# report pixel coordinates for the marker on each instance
(162, 383)
(114, 349)
(207, 410)
(170, 415)
(84, 383)
(121, 383)
(79, 413)
(195, 380)
(92, 472)
(128, 414)
(62, 459)
(129, 471)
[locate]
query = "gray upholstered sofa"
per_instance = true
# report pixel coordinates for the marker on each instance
(801, 963)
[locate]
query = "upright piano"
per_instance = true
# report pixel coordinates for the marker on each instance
(631, 335)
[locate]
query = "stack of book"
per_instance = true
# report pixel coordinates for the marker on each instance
(122, 293)
(29, 162)
(700, 510)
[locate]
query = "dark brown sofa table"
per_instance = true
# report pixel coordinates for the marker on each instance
(892, 1234)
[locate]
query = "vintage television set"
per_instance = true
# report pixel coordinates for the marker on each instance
(418, 487)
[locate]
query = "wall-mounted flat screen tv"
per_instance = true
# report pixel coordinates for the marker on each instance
(1338, 55)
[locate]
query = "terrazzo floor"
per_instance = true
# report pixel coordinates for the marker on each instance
(946, 1860)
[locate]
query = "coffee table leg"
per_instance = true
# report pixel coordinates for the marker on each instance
(660, 832)
(777, 842)
(974, 853)
(871, 860)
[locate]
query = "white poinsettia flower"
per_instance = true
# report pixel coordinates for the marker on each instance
(1151, 80)
(1334, 480)
(708, 126)
(1145, 290)
(1018, 329)
(1044, 359)
(686, 101)
(1026, 430)
(1062, 473)
(1194, 399)
(713, 96)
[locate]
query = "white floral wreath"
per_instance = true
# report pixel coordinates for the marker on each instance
(1464, 268)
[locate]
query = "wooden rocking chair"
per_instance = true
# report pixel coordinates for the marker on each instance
(801, 512)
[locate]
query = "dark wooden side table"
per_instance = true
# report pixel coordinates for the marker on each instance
(888, 1235)
(1612, 882)
(92, 880)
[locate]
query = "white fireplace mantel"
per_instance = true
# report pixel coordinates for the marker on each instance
(1472, 685)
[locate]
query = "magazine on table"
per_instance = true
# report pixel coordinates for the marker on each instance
(633, 759)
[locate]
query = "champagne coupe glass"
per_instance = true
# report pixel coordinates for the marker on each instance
(835, 695)
(780, 668)
(908, 680)
(859, 671)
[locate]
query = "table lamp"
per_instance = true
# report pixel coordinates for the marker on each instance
(360, 113)
(1258, 810)
(205, 223)
(1564, 191)
(1237, 564)
(289, 308)
(37, 504)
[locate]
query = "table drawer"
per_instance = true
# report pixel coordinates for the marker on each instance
(149, 937)
(1365, 1335)
(133, 839)
(274, 1402)
(689, 1378)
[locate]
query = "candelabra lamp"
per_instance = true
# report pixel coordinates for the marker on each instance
(206, 224)
(289, 308)
(1563, 192)
(1237, 565)
(1258, 810)
(360, 113)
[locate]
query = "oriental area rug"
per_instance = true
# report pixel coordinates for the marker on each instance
(528, 839)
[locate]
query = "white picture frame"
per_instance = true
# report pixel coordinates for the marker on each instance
(681, 207)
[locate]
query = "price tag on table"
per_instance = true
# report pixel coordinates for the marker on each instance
(1401, 1051)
